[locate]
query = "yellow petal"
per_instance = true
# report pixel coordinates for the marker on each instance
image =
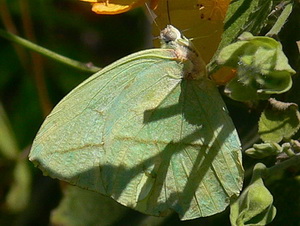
(213, 10)
(200, 20)
(101, 8)
(112, 7)
(91, 1)
(154, 4)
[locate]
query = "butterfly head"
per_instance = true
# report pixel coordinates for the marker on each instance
(171, 38)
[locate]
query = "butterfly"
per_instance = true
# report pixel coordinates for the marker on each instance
(150, 130)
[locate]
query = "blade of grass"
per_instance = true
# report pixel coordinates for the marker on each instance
(281, 20)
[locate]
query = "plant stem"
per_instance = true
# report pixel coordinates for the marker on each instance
(293, 161)
(48, 53)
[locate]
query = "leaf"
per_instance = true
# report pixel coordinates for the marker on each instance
(255, 204)
(263, 150)
(80, 207)
(18, 196)
(8, 144)
(262, 68)
(15, 178)
(288, 7)
(279, 121)
(242, 15)
(149, 130)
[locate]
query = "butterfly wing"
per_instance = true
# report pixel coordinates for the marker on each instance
(140, 133)
(182, 153)
(71, 138)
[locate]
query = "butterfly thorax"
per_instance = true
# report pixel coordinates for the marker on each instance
(185, 52)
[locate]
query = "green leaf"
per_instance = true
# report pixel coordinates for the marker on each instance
(19, 193)
(16, 177)
(8, 144)
(254, 206)
(262, 68)
(279, 121)
(288, 7)
(149, 130)
(242, 15)
(263, 150)
(81, 207)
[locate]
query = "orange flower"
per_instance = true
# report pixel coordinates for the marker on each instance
(213, 10)
(200, 20)
(112, 7)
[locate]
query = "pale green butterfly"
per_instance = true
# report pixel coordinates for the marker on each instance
(150, 130)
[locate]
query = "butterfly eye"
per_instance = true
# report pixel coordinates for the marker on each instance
(170, 34)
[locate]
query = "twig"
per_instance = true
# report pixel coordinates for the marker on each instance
(48, 53)
(293, 161)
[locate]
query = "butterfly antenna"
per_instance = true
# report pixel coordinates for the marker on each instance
(168, 11)
(203, 36)
(185, 30)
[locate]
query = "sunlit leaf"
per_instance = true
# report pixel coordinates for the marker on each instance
(255, 204)
(279, 121)
(288, 7)
(149, 130)
(262, 68)
(242, 15)
(263, 150)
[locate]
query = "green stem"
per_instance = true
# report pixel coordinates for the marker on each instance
(293, 161)
(48, 53)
